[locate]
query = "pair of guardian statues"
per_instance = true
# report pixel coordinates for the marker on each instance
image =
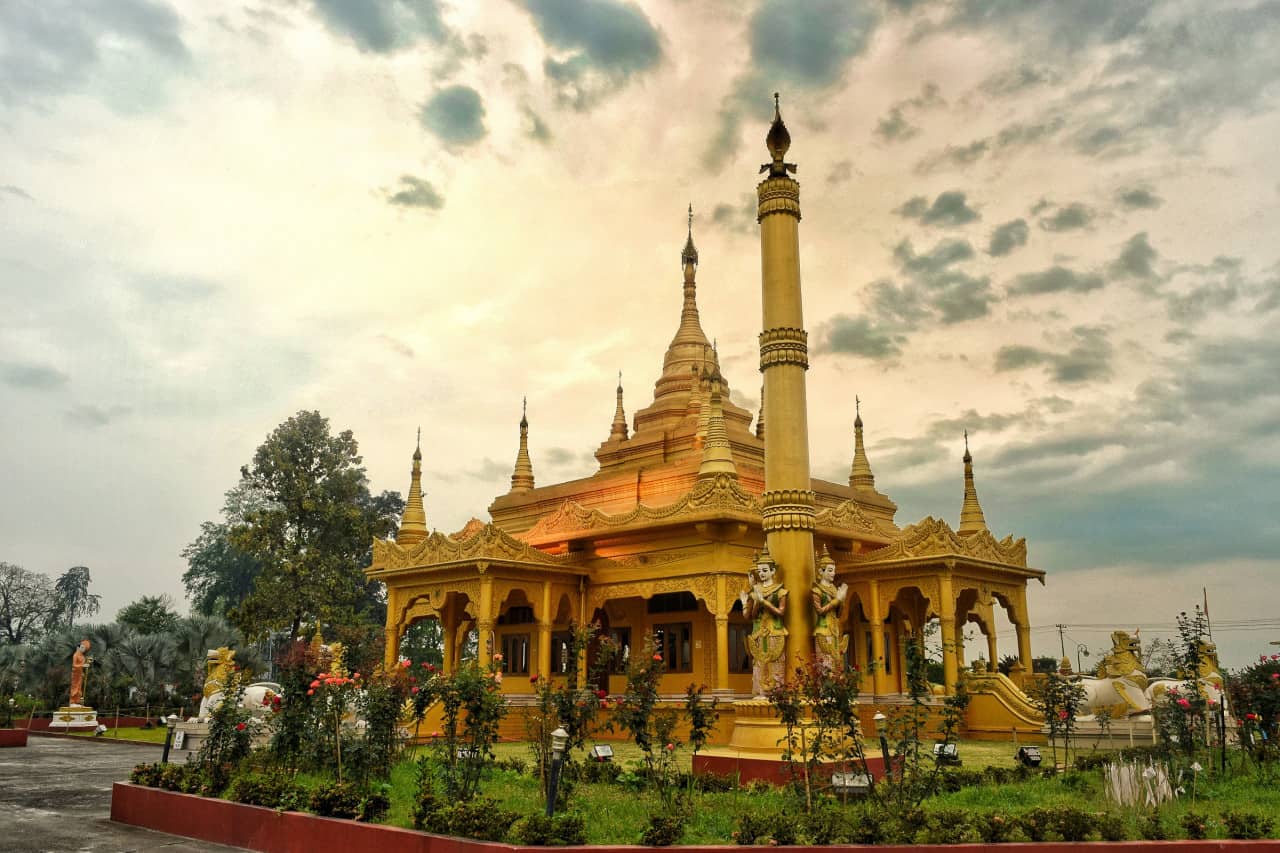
(765, 604)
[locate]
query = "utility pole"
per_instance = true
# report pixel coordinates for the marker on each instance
(1062, 638)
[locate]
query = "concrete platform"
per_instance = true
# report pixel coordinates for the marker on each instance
(55, 797)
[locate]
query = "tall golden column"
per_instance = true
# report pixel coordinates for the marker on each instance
(784, 357)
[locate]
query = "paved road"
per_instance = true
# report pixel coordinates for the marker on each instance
(55, 797)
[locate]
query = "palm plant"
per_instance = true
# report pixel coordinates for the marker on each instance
(148, 659)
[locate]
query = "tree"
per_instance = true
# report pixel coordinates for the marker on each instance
(314, 531)
(72, 597)
(219, 575)
(151, 614)
(24, 604)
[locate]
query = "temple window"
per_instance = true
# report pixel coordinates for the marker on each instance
(560, 663)
(674, 641)
(739, 657)
(672, 602)
(515, 654)
(621, 639)
(517, 614)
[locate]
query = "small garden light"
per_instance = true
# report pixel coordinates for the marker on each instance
(559, 741)
(882, 728)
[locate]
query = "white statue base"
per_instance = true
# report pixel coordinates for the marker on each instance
(74, 718)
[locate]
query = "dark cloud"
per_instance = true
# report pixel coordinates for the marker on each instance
(894, 127)
(1013, 81)
(538, 129)
(1063, 29)
(416, 192)
(841, 172)
(1086, 359)
(490, 471)
(10, 189)
(954, 155)
(1139, 198)
(91, 416)
(1201, 301)
(52, 47)
(560, 456)
(1102, 140)
(805, 47)
(34, 377)
(1020, 134)
(383, 26)
(599, 45)
(737, 218)
(949, 209)
(1069, 218)
(1056, 279)
(1137, 259)
(455, 114)
(944, 254)
(857, 336)
(992, 423)
(1007, 237)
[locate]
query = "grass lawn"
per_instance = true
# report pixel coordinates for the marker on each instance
(617, 814)
(153, 735)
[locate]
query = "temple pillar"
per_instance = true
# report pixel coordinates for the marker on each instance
(1024, 645)
(950, 658)
(879, 681)
(485, 621)
(391, 651)
(992, 660)
(544, 632)
(449, 632)
(722, 653)
(788, 500)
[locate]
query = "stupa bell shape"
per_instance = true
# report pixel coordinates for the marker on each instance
(971, 517)
(860, 476)
(413, 523)
(522, 476)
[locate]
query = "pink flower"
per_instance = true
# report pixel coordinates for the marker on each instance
(1062, 715)
(602, 694)
(1184, 703)
(315, 684)
(413, 690)
(357, 675)
(670, 747)
(311, 693)
(657, 657)
(498, 657)
(406, 663)
(436, 733)
(1275, 675)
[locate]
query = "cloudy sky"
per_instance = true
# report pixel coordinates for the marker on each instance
(1053, 224)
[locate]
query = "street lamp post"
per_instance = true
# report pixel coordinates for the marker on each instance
(169, 722)
(1081, 649)
(559, 740)
(882, 728)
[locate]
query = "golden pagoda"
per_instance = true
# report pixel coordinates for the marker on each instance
(657, 543)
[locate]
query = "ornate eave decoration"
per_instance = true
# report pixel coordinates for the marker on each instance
(719, 495)
(933, 537)
(848, 515)
(488, 542)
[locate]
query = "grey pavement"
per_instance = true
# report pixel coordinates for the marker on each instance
(55, 797)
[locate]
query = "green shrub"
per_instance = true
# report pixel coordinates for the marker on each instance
(826, 824)
(514, 763)
(1071, 823)
(865, 825)
(561, 830)
(714, 783)
(336, 799)
(187, 779)
(1196, 826)
(1151, 828)
(1112, 827)
(766, 828)
(995, 828)
(273, 790)
(600, 772)
(374, 804)
(1036, 823)
(947, 826)
(481, 818)
(1246, 824)
(1093, 760)
(664, 830)
(147, 774)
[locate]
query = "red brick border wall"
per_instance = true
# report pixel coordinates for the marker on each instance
(269, 831)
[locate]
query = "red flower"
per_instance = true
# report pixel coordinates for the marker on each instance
(671, 747)
(601, 694)
(1251, 716)
(315, 684)
(657, 657)
(413, 690)
(406, 663)
(1062, 715)
(311, 693)
(357, 675)
(1184, 703)
(240, 727)
(533, 679)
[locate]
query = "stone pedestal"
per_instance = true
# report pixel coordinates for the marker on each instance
(74, 718)
(188, 736)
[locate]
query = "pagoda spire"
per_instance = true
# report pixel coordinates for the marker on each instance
(860, 476)
(717, 454)
(703, 385)
(688, 347)
(971, 517)
(413, 523)
(618, 432)
(522, 477)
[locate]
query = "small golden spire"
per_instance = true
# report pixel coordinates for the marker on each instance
(717, 454)
(413, 522)
(778, 141)
(971, 517)
(860, 476)
(618, 432)
(522, 477)
(704, 409)
(760, 417)
(689, 256)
